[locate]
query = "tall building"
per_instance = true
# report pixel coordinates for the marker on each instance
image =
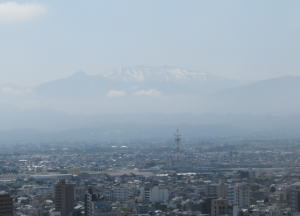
(242, 195)
(293, 197)
(230, 193)
(219, 207)
(145, 193)
(222, 189)
(89, 198)
(6, 204)
(64, 198)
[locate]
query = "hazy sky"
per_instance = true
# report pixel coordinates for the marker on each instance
(42, 40)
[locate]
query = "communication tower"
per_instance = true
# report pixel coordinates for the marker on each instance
(178, 138)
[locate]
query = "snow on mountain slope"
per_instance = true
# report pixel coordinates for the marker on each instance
(162, 74)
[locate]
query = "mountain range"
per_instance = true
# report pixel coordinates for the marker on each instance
(156, 99)
(135, 80)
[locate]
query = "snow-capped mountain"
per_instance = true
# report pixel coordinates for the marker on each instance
(165, 95)
(157, 89)
(162, 74)
(130, 80)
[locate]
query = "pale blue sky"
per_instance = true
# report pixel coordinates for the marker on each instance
(239, 39)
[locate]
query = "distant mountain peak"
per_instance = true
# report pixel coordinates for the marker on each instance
(161, 73)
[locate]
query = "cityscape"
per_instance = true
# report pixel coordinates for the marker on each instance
(250, 177)
(149, 108)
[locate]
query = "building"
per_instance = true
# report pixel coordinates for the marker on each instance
(219, 207)
(95, 205)
(242, 195)
(155, 194)
(145, 192)
(222, 189)
(211, 191)
(64, 198)
(89, 198)
(159, 194)
(293, 197)
(6, 204)
(121, 194)
(230, 194)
